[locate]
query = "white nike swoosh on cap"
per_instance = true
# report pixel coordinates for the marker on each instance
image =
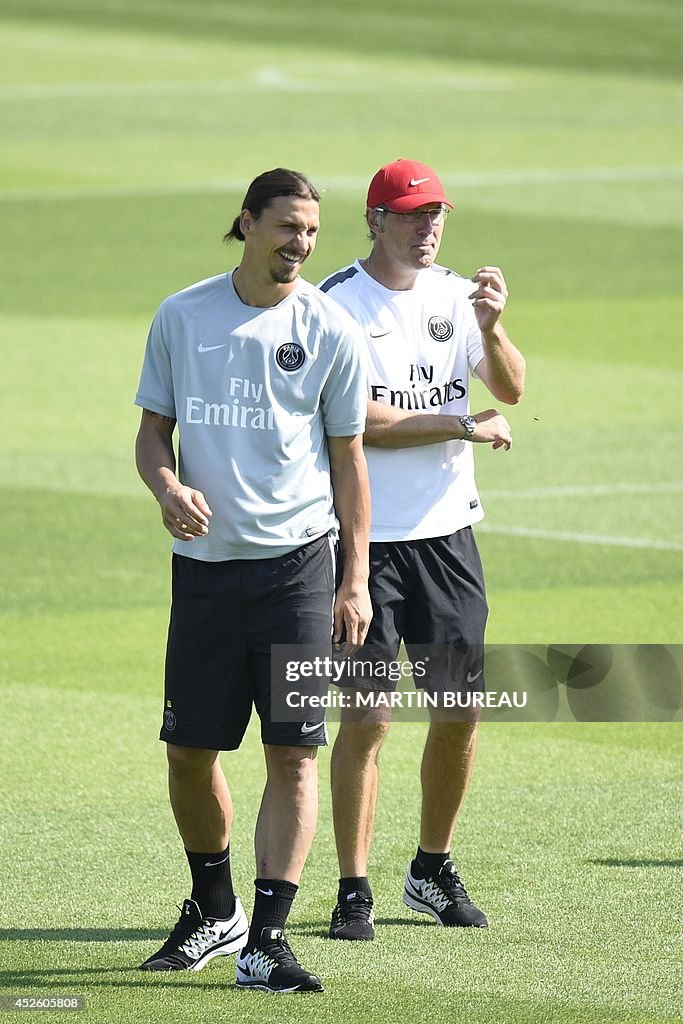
(418, 181)
(201, 347)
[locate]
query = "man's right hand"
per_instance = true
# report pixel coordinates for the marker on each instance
(185, 512)
(493, 429)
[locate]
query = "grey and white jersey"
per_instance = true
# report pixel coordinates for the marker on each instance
(255, 392)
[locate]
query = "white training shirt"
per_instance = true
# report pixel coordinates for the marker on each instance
(255, 392)
(422, 345)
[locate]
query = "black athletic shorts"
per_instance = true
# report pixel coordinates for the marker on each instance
(429, 594)
(224, 618)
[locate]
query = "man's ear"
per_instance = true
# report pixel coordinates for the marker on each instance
(246, 222)
(375, 219)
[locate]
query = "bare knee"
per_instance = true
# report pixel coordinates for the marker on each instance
(294, 764)
(453, 733)
(189, 762)
(362, 740)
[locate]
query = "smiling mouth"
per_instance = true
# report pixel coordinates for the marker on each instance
(292, 258)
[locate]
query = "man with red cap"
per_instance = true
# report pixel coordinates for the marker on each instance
(427, 329)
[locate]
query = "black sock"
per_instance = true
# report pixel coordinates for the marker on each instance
(426, 864)
(272, 904)
(212, 883)
(360, 885)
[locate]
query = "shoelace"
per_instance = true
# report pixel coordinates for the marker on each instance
(280, 950)
(357, 909)
(451, 883)
(182, 930)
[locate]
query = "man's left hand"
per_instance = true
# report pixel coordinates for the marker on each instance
(490, 297)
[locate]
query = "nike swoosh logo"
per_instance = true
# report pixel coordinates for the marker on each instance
(418, 181)
(201, 347)
(379, 334)
(215, 863)
(310, 728)
(473, 679)
(266, 892)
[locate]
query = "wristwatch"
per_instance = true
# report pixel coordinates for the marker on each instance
(469, 423)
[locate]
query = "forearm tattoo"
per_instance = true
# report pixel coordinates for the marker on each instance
(164, 419)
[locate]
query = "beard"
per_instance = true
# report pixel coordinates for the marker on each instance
(284, 273)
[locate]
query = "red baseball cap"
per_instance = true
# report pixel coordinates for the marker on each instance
(405, 185)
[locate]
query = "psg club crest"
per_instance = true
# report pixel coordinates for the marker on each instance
(290, 357)
(440, 328)
(169, 720)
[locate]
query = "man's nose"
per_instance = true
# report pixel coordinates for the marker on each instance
(301, 241)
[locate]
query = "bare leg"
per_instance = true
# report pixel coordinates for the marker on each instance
(355, 784)
(200, 798)
(288, 814)
(447, 764)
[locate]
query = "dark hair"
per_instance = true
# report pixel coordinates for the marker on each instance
(265, 188)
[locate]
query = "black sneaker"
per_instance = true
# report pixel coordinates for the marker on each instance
(444, 897)
(272, 967)
(195, 940)
(353, 918)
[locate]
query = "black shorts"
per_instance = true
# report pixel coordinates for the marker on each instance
(225, 617)
(429, 594)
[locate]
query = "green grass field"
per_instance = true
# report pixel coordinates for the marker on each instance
(129, 133)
